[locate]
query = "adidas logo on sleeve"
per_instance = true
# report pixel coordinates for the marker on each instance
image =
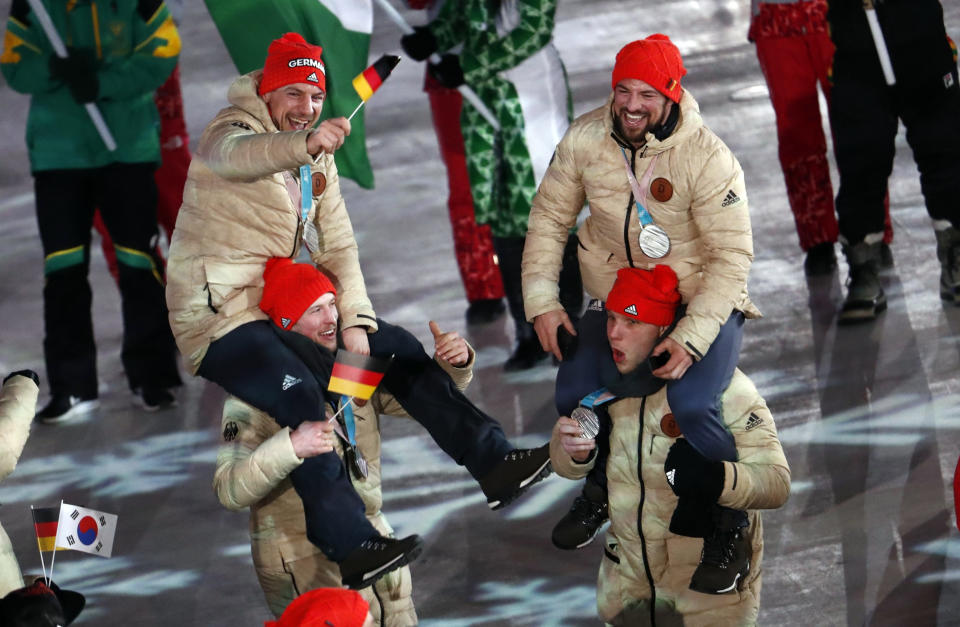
(730, 199)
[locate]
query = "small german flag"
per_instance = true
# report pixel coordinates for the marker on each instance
(371, 78)
(357, 375)
(45, 521)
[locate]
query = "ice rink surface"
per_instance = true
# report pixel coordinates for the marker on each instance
(869, 415)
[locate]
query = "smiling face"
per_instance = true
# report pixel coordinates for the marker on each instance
(637, 108)
(295, 107)
(630, 340)
(319, 322)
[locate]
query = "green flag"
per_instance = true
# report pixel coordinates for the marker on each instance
(341, 27)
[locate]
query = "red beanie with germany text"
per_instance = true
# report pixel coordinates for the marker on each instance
(655, 61)
(645, 295)
(290, 60)
(290, 288)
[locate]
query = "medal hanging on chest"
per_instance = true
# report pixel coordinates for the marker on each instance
(351, 453)
(653, 240)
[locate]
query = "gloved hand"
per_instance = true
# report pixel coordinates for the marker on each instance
(690, 474)
(30, 374)
(420, 44)
(79, 71)
(448, 72)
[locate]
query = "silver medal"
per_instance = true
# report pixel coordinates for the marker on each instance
(654, 241)
(588, 422)
(357, 463)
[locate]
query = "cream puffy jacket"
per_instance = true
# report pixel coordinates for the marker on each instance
(18, 400)
(238, 211)
(638, 490)
(253, 467)
(702, 207)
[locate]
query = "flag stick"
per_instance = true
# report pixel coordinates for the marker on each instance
(468, 94)
(61, 51)
(349, 398)
(350, 117)
(879, 42)
(55, 543)
(40, 550)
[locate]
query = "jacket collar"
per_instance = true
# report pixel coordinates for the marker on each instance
(244, 95)
(689, 123)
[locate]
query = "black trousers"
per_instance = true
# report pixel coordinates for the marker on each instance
(126, 195)
(254, 361)
(864, 113)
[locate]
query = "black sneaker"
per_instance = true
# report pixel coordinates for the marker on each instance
(376, 557)
(580, 525)
(485, 310)
(63, 407)
(520, 469)
(527, 354)
(725, 561)
(154, 398)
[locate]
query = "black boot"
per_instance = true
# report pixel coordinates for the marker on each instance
(865, 298)
(725, 560)
(485, 310)
(527, 352)
(581, 524)
(376, 557)
(948, 253)
(520, 469)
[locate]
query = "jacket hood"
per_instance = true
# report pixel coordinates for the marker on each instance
(689, 123)
(243, 94)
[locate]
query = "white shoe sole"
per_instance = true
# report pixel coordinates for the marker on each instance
(80, 409)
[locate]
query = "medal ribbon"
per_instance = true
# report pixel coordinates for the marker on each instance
(306, 191)
(348, 420)
(595, 399)
(639, 191)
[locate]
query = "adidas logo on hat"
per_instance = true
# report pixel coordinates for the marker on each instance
(313, 78)
(285, 321)
(632, 310)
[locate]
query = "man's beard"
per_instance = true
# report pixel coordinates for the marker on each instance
(636, 136)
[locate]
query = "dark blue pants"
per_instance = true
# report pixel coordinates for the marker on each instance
(251, 362)
(694, 399)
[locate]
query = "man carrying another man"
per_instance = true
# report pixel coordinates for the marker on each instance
(664, 496)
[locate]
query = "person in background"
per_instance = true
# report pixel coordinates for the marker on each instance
(117, 69)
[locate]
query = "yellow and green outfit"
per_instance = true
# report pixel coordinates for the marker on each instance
(133, 46)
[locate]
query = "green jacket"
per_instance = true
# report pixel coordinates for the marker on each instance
(136, 45)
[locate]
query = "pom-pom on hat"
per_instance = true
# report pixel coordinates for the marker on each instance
(291, 59)
(290, 288)
(324, 607)
(655, 61)
(645, 295)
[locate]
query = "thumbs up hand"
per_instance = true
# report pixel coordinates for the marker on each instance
(449, 347)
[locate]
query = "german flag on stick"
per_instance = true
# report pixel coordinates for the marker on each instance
(45, 524)
(371, 78)
(357, 375)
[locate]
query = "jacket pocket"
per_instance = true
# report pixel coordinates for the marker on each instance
(232, 286)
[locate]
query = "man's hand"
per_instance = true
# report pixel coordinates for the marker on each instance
(576, 447)
(449, 347)
(328, 137)
(546, 327)
(678, 363)
(312, 438)
(419, 44)
(355, 340)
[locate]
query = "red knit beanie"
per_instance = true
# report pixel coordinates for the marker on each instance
(655, 61)
(290, 288)
(291, 59)
(645, 295)
(324, 607)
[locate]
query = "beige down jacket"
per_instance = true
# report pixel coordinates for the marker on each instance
(253, 465)
(637, 488)
(238, 211)
(702, 207)
(18, 400)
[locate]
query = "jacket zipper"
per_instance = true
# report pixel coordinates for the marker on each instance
(643, 540)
